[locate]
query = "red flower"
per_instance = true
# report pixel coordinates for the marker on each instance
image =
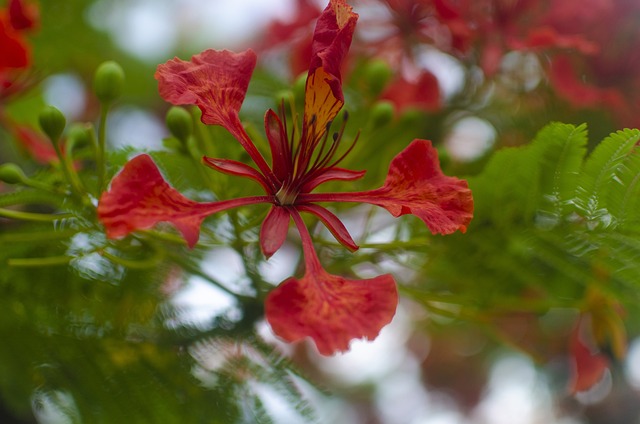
(332, 310)
(588, 364)
(422, 93)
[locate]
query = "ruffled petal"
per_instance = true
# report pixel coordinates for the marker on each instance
(415, 185)
(274, 230)
(331, 310)
(215, 81)
(331, 41)
(139, 198)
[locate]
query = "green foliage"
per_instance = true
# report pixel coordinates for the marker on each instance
(548, 224)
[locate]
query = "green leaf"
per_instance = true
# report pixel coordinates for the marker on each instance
(600, 178)
(563, 148)
(623, 189)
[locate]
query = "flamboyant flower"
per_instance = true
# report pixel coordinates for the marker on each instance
(330, 309)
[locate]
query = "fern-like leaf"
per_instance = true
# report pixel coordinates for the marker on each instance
(563, 149)
(599, 176)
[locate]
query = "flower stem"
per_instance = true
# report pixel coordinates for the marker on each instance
(311, 260)
(100, 151)
(37, 262)
(29, 216)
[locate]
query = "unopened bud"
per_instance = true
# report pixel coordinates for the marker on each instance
(377, 74)
(382, 113)
(108, 82)
(78, 135)
(11, 173)
(180, 123)
(52, 122)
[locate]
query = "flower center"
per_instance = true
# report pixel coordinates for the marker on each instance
(286, 196)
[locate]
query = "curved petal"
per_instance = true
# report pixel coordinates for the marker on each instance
(232, 167)
(139, 198)
(330, 309)
(415, 185)
(274, 230)
(216, 81)
(588, 366)
(333, 224)
(330, 174)
(280, 150)
(323, 91)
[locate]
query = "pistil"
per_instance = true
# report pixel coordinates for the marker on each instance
(286, 196)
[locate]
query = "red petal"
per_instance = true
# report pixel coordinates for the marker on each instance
(15, 53)
(215, 81)
(332, 310)
(588, 367)
(280, 151)
(232, 167)
(415, 185)
(568, 82)
(139, 198)
(331, 41)
(332, 223)
(330, 174)
(37, 144)
(423, 93)
(274, 230)
(22, 17)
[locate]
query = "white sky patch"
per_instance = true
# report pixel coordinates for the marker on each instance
(152, 29)
(516, 395)
(130, 126)
(470, 138)
(67, 93)
(446, 68)
(201, 301)
(144, 28)
(371, 360)
(281, 265)
(632, 364)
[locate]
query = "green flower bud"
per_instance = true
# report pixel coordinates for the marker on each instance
(11, 173)
(78, 135)
(52, 122)
(377, 74)
(108, 82)
(382, 113)
(180, 123)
